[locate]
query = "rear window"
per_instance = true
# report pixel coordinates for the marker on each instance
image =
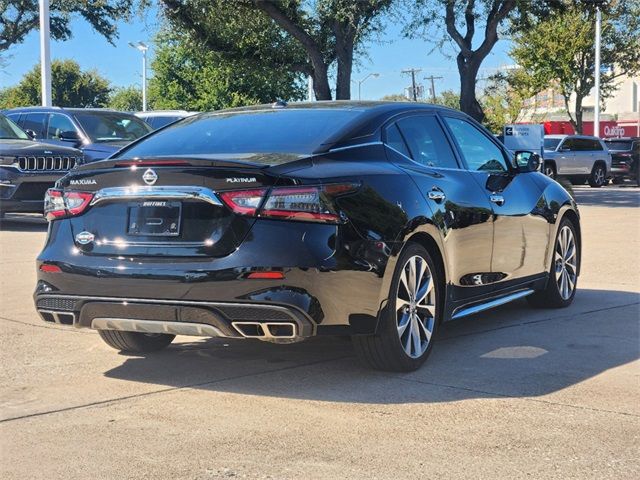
(619, 144)
(112, 126)
(268, 131)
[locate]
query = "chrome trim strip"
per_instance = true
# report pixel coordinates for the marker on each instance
(465, 311)
(349, 147)
(170, 193)
(156, 326)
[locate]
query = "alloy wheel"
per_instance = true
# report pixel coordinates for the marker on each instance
(549, 172)
(566, 262)
(415, 306)
(598, 176)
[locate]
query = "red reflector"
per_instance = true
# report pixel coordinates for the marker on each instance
(45, 267)
(266, 275)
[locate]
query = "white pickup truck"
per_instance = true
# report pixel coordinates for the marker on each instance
(578, 158)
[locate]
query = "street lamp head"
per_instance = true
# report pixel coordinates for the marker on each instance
(139, 46)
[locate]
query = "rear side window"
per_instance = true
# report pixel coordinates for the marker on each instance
(478, 150)
(395, 140)
(595, 145)
(35, 122)
(299, 131)
(427, 142)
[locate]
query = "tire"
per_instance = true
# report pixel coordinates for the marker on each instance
(564, 259)
(617, 180)
(598, 177)
(405, 335)
(550, 170)
(136, 342)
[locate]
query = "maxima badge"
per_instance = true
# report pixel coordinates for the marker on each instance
(149, 176)
(84, 238)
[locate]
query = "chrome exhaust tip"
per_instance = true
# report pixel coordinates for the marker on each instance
(276, 332)
(57, 316)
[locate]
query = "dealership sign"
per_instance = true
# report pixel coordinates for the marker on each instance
(529, 137)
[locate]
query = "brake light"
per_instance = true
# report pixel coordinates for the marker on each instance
(58, 204)
(244, 202)
(269, 275)
(47, 267)
(312, 204)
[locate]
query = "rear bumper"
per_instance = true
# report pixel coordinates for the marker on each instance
(217, 319)
(330, 284)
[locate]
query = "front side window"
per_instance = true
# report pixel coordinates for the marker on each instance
(595, 145)
(551, 144)
(480, 153)
(34, 122)
(427, 142)
(59, 124)
(10, 131)
(112, 127)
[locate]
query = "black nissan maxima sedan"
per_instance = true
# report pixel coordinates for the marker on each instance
(375, 220)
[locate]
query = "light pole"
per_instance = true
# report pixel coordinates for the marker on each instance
(596, 110)
(360, 82)
(45, 54)
(143, 48)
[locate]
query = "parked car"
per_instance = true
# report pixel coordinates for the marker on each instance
(580, 158)
(625, 158)
(97, 132)
(245, 223)
(159, 118)
(28, 169)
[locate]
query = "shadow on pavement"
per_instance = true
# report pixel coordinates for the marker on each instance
(607, 197)
(512, 351)
(23, 223)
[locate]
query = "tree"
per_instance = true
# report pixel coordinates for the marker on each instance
(569, 35)
(126, 99)
(70, 87)
(191, 78)
(307, 37)
(394, 97)
(504, 98)
(19, 17)
(456, 23)
(449, 98)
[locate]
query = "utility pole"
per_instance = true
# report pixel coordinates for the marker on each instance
(414, 90)
(45, 54)
(433, 86)
(596, 110)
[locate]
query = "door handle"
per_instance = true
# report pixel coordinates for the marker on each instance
(436, 195)
(497, 199)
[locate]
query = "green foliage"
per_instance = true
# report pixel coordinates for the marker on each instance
(126, 99)
(70, 87)
(449, 98)
(504, 98)
(558, 50)
(192, 78)
(19, 17)
(394, 97)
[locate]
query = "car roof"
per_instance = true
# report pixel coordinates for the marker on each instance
(161, 113)
(617, 139)
(37, 109)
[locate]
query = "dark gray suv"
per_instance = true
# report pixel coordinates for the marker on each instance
(97, 132)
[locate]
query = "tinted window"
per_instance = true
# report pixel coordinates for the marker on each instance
(57, 124)
(395, 140)
(265, 131)
(551, 143)
(10, 131)
(624, 145)
(583, 145)
(569, 144)
(35, 122)
(478, 150)
(426, 141)
(595, 145)
(112, 127)
(158, 122)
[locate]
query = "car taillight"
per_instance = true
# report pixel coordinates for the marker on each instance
(58, 204)
(311, 204)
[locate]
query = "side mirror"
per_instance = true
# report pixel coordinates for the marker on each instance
(31, 133)
(70, 136)
(527, 161)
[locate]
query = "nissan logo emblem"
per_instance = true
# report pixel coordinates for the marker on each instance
(149, 176)
(84, 238)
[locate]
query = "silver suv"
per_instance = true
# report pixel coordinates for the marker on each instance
(577, 157)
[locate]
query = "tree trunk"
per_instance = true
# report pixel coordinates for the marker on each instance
(468, 102)
(321, 86)
(344, 56)
(578, 113)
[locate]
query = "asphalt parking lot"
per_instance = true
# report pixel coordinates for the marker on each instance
(513, 393)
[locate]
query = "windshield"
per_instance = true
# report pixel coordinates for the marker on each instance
(112, 126)
(299, 131)
(10, 131)
(551, 143)
(618, 144)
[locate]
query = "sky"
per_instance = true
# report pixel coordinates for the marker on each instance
(121, 64)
